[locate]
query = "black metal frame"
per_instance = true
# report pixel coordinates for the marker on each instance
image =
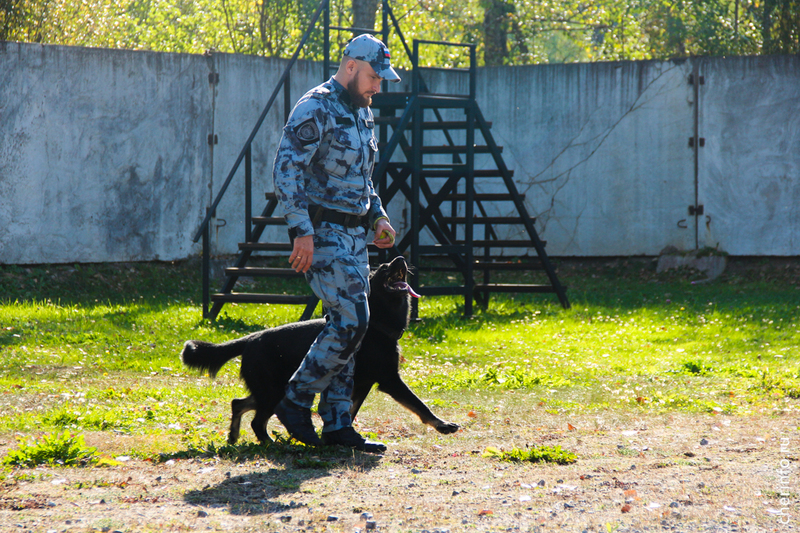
(423, 215)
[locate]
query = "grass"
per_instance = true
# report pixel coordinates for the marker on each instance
(95, 348)
(538, 454)
(58, 449)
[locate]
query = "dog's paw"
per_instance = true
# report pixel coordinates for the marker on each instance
(446, 428)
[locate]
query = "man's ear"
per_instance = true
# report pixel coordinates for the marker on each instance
(351, 66)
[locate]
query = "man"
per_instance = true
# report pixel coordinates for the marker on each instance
(323, 180)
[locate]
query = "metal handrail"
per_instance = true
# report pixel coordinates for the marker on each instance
(245, 150)
(323, 7)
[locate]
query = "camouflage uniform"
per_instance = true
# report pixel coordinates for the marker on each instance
(326, 157)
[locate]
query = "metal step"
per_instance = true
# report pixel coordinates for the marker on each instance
(459, 247)
(444, 170)
(485, 288)
(259, 272)
(510, 287)
(458, 149)
(441, 291)
(499, 244)
(265, 246)
(485, 220)
(508, 265)
(485, 197)
(443, 101)
(486, 173)
(482, 266)
(269, 221)
(250, 298)
(398, 100)
(442, 249)
(428, 125)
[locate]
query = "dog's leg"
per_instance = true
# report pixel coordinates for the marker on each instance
(259, 424)
(360, 392)
(239, 406)
(397, 389)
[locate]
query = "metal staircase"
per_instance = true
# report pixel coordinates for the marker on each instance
(428, 148)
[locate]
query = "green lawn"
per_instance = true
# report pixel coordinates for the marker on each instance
(95, 347)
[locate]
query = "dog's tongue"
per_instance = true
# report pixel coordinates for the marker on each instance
(403, 286)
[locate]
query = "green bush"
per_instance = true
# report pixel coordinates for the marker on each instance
(53, 449)
(538, 454)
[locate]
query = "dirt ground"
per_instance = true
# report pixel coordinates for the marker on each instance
(667, 472)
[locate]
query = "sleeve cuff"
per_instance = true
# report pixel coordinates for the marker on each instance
(303, 229)
(375, 223)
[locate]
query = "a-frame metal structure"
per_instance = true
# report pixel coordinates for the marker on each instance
(429, 143)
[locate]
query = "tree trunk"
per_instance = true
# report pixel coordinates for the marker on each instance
(495, 31)
(766, 27)
(364, 14)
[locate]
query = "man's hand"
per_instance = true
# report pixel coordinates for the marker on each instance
(302, 253)
(384, 234)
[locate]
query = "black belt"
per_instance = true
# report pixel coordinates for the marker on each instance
(320, 214)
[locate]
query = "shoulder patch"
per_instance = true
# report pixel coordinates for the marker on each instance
(307, 132)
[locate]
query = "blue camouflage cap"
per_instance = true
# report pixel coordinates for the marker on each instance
(368, 48)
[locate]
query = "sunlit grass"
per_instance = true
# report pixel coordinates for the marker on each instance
(95, 348)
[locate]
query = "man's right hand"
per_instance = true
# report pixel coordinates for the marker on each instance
(302, 253)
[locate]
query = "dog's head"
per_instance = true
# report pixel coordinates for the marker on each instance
(391, 278)
(389, 295)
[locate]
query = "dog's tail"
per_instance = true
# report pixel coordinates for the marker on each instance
(209, 356)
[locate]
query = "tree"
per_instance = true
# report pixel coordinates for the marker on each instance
(496, 23)
(512, 32)
(364, 14)
(780, 27)
(12, 14)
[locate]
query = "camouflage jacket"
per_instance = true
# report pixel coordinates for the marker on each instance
(326, 157)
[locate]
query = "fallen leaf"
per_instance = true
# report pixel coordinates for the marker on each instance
(472, 414)
(491, 451)
(485, 512)
(571, 427)
(626, 508)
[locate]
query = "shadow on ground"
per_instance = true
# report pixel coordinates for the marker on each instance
(259, 492)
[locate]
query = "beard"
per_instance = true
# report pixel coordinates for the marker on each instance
(358, 99)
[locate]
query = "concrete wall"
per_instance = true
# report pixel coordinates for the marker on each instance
(750, 166)
(104, 154)
(602, 151)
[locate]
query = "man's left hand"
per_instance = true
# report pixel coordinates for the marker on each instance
(384, 234)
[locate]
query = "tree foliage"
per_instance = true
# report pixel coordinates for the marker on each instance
(504, 31)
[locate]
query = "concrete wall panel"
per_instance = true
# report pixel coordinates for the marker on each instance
(750, 164)
(600, 150)
(98, 157)
(245, 86)
(104, 153)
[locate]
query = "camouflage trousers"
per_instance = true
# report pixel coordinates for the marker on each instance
(339, 276)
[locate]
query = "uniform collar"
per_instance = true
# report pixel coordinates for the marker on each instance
(342, 94)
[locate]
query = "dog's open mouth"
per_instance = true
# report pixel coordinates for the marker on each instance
(404, 287)
(396, 280)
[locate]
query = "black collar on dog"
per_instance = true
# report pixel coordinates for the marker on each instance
(392, 333)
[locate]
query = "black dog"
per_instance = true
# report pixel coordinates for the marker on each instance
(270, 357)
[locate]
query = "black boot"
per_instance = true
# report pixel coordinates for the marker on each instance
(349, 437)
(297, 421)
